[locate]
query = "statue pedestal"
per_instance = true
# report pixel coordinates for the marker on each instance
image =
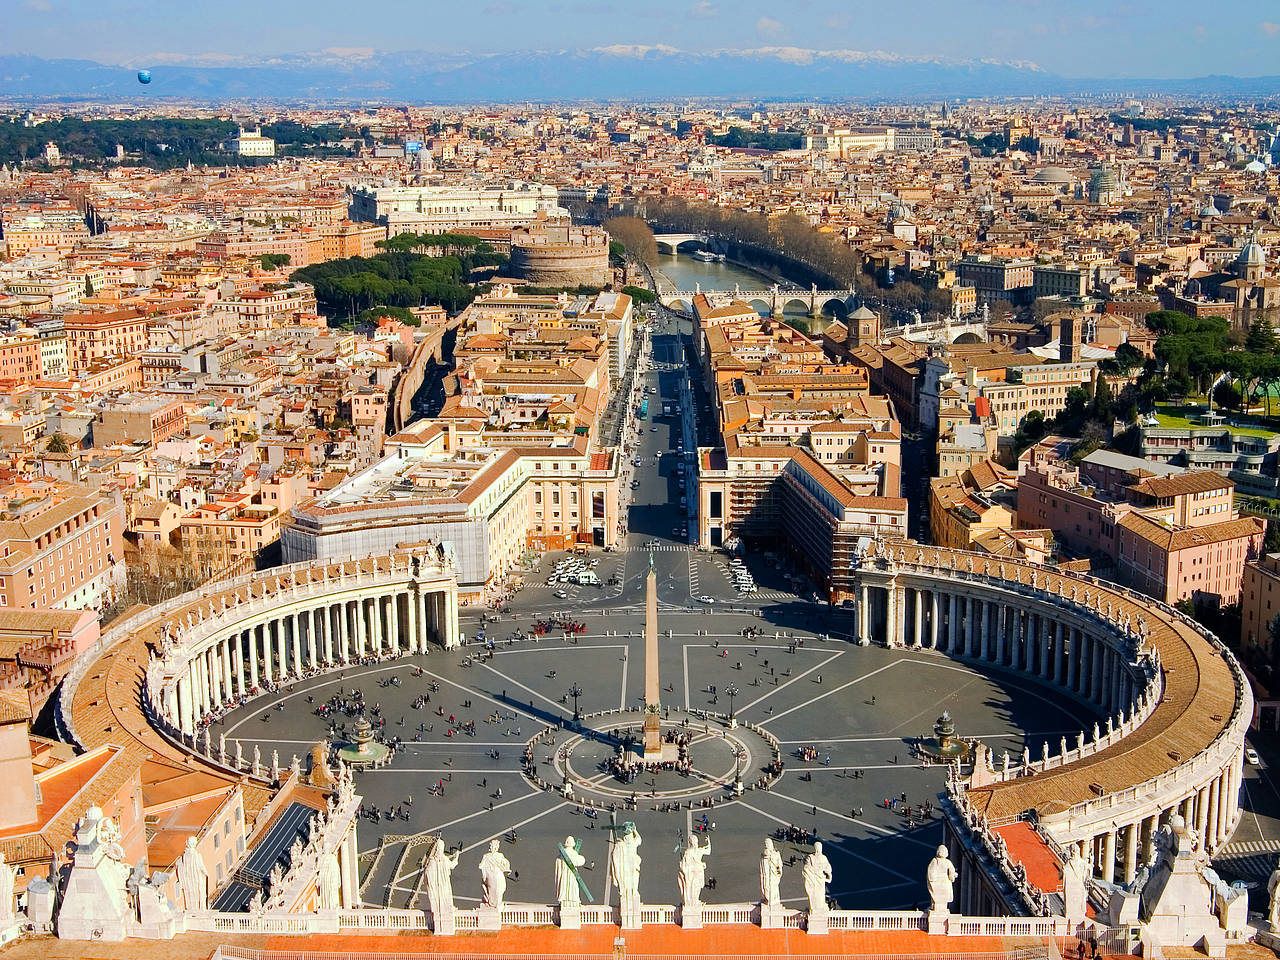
(733, 723)
(937, 920)
(442, 923)
(691, 916)
(652, 738)
(631, 918)
(816, 922)
(570, 916)
(488, 918)
(772, 916)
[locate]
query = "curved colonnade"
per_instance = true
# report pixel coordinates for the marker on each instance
(1174, 701)
(155, 679)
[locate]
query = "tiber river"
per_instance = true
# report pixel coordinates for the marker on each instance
(686, 272)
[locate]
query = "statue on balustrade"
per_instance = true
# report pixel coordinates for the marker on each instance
(569, 861)
(1273, 890)
(494, 867)
(693, 871)
(817, 874)
(941, 878)
(329, 881)
(770, 874)
(193, 879)
(624, 862)
(439, 872)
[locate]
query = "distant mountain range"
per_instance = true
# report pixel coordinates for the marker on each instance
(619, 72)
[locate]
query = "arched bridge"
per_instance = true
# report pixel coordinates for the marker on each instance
(671, 241)
(775, 300)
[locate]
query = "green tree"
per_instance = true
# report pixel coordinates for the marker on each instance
(1261, 338)
(88, 287)
(639, 295)
(57, 444)
(271, 261)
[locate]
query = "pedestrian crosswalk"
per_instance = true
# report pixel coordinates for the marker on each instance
(663, 547)
(1249, 859)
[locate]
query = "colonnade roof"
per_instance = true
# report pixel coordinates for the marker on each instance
(1200, 695)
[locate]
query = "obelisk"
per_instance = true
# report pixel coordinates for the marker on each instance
(652, 698)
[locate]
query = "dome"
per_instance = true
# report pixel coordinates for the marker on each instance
(1103, 179)
(1051, 174)
(1252, 254)
(1209, 210)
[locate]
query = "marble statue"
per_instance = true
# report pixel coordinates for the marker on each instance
(770, 874)
(295, 767)
(257, 761)
(817, 874)
(624, 863)
(493, 877)
(941, 877)
(329, 881)
(1075, 885)
(693, 871)
(439, 870)
(193, 879)
(568, 863)
(1273, 890)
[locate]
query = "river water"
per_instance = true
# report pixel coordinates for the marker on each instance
(687, 273)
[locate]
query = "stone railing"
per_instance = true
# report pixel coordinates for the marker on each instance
(381, 920)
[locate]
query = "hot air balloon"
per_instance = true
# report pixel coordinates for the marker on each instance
(144, 76)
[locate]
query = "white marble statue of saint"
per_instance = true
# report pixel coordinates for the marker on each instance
(439, 870)
(329, 881)
(941, 877)
(816, 874)
(1273, 890)
(193, 879)
(493, 877)
(568, 862)
(624, 864)
(693, 871)
(770, 874)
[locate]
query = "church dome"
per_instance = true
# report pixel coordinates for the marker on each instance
(1252, 254)
(1103, 180)
(1209, 210)
(1051, 174)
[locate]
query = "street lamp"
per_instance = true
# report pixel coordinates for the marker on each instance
(575, 691)
(731, 691)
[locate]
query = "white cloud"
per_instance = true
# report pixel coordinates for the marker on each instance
(1270, 28)
(704, 9)
(39, 6)
(770, 29)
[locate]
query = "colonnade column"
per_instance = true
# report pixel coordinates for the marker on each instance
(1130, 852)
(953, 619)
(237, 662)
(343, 644)
(184, 721)
(252, 636)
(389, 621)
(295, 626)
(1109, 856)
(312, 652)
(451, 617)
(935, 610)
(347, 870)
(918, 627)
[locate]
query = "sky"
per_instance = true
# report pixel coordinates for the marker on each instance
(1072, 38)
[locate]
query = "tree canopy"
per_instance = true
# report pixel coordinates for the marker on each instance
(345, 288)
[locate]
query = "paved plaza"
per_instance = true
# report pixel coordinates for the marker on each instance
(797, 684)
(820, 696)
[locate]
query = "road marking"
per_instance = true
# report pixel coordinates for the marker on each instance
(498, 673)
(840, 816)
(836, 656)
(878, 866)
(484, 811)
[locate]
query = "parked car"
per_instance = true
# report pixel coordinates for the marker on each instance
(705, 599)
(1251, 756)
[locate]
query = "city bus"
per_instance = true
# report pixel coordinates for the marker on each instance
(644, 409)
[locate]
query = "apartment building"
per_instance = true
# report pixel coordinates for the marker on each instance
(998, 278)
(62, 546)
(1173, 537)
(92, 337)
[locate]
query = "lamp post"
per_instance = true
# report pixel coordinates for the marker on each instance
(575, 691)
(731, 691)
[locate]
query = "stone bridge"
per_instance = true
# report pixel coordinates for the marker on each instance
(949, 330)
(671, 241)
(838, 303)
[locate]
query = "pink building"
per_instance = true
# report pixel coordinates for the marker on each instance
(1173, 537)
